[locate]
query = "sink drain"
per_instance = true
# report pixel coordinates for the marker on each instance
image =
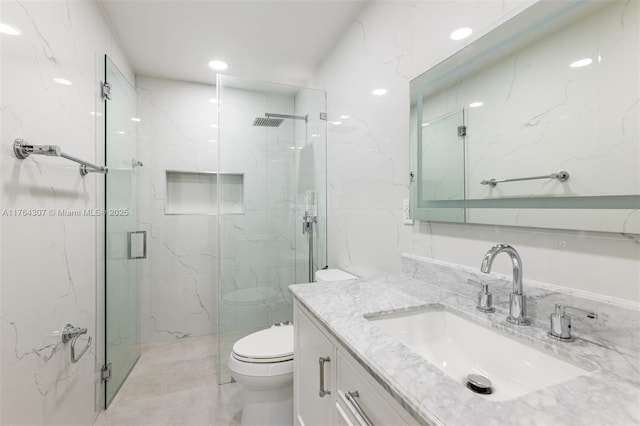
(479, 384)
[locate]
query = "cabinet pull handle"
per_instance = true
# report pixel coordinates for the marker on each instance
(351, 397)
(323, 392)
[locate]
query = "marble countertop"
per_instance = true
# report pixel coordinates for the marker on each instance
(610, 395)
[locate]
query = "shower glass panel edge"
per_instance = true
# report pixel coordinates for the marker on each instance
(270, 173)
(122, 331)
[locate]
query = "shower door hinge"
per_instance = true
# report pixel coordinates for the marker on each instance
(323, 116)
(105, 90)
(105, 372)
(462, 131)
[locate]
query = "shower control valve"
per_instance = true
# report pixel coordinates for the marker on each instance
(307, 221)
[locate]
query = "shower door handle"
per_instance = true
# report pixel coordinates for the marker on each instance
(144, 245)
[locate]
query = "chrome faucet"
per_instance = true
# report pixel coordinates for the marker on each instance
(517, 301)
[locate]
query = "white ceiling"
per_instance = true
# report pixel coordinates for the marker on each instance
(281, 41)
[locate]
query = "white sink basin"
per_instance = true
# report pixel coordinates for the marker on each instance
(458, 347)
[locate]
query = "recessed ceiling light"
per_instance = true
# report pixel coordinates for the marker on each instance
(476, 104)
(379, 92)
(121, 132)
(315, 135)
(292, 147)
(8, 29)
(97, 114)
(213, 100)
(136, 119)
(581, 63)
(461, 33)
(62, 81)
(336, 123)
(218, 65)
(344, 117)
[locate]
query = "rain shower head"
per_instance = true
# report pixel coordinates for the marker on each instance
(275, 120)
(267, 122)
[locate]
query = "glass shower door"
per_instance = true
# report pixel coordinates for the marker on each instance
(122, 346)
(272, 177)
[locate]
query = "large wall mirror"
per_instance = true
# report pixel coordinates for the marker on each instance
(534, 124)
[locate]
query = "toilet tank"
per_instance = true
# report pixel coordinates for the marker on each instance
(334, 275)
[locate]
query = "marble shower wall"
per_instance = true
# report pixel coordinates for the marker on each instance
(50, 268)
(178, 280)
(368, 156)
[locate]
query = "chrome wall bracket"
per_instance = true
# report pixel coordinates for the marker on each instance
(287, 116)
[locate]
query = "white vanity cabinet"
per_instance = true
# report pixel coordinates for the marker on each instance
(314, 358)
(351, 397)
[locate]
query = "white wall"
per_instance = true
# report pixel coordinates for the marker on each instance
(368, 158)
(178, 280)
(50, 272)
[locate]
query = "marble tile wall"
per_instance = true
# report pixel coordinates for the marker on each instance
(178, 280)
(368, 157)
(50, 272)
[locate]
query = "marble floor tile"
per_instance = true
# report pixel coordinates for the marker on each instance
(175, 383)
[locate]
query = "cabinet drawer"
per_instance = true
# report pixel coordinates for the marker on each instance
(373, 401)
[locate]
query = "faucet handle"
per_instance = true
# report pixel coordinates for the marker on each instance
(560, 322)
(485, 302)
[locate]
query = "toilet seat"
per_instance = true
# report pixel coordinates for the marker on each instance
(261, 360)
(272, 345)
(259, 369)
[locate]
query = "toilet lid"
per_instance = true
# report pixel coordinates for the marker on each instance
(270, 345)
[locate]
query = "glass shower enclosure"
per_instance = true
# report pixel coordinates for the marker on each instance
(123, 244)
(272, 195)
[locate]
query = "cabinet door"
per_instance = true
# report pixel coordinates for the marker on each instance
(311, 345)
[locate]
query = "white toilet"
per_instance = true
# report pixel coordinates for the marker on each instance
(262, 363)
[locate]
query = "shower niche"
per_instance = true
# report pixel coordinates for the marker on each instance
(196, 193)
